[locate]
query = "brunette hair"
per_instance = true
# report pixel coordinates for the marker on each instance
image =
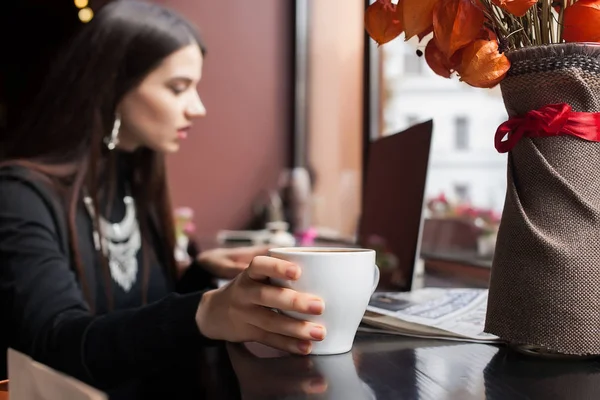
(62, 133)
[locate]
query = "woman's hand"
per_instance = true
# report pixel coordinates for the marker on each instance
(227, 263)
(241, 311)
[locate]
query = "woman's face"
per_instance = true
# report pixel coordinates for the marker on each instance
(158, 113)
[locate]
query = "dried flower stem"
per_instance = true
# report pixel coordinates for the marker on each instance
(546, 38)
(537, 31)
(539, 26)
(561, 15)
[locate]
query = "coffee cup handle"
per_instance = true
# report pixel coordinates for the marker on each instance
(375, 279)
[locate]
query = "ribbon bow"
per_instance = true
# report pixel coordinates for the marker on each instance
(550, 120)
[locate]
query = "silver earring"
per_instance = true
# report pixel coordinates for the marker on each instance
(113, 140)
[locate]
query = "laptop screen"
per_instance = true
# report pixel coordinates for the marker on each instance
(393, 199)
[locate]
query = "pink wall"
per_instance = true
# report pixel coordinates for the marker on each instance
(242, 144)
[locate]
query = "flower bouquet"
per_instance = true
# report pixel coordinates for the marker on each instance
(544, 54)
(485, 222)
(470, 38)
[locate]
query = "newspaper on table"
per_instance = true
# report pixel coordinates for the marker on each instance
(436, 313)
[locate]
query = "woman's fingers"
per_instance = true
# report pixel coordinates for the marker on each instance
(285, 299)
(282, 342)
(263, 267)
(246, 304)
(275, 297)
(270, 321)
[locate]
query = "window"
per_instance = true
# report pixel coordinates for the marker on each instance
(412, 120)
(461, 192)
(413, 65)
(461, 133)
(465, 120)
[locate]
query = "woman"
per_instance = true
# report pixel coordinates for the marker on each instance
(88, 278)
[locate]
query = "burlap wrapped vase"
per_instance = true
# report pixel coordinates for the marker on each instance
(545, 282)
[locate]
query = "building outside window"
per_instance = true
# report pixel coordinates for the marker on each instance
(463, 157)
(461, 133)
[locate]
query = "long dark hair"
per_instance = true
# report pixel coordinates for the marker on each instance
(62, 134)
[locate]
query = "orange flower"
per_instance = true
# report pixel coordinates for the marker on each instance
(438, 62)
(482, 65)
(418, 16)
(518, 8)
(425, 33)
(456, 23)
(581, 21)
(558, 4)
(383, 21)
(487, 34)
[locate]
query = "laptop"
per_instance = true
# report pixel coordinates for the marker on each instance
(391, 220)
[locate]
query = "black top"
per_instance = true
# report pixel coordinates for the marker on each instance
(43, 309)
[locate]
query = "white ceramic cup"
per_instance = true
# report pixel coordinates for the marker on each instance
(345, 278)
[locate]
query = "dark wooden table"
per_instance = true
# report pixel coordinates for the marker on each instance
(379, 367)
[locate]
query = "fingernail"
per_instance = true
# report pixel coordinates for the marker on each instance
(315, 307)
(304, 347)
(316, 386)
(291, 272)
(318, 383)
(317, 332)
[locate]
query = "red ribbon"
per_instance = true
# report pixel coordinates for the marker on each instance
(550, 120)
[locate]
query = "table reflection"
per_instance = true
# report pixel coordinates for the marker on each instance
(263, 372)
(378, 367)
(455, 368)
(534, 378)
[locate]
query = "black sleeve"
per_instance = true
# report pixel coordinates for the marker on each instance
(194, 278)
(49, 319)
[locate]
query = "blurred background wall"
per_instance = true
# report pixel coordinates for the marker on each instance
(241, 147)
